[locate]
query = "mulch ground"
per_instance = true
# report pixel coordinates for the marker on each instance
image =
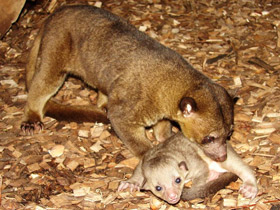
(79, 166)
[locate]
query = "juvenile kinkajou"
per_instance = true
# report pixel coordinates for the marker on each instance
(165, 169)
(144, 82)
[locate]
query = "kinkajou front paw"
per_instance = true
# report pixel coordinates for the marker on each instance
(133, 186)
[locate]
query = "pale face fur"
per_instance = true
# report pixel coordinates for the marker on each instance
(166, 181)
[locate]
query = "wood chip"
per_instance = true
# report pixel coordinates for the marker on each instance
(229, 202)
(33, 167)
(237, 81)
(96, 147)
(83, 133)
(81, 191)
(155, 204)
(263, 130)
(98, 4)
(89, 162)
(72, 165)
(275, 138)
(130, 163)
(96, 131)
(57, 151)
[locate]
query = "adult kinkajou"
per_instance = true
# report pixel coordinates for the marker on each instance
(144, 83)
(165, 168)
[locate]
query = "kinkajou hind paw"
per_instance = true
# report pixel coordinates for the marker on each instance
(29, 127)
(249, 190)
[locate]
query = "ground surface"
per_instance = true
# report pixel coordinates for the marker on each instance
(79, 166)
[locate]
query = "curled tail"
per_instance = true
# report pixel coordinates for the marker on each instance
(210, 188)
(85, 113)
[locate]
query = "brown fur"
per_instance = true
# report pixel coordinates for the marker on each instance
(210, 188)
(78, 113)
(141, 81)
(162, 165)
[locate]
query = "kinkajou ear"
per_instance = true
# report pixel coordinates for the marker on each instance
(187, 106)
(182, 165)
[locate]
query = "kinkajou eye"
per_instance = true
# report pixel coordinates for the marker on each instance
(178, 180)
(158, 188)
(208, 139)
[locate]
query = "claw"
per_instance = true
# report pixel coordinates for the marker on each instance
(28, 128)
(249, 190)
(132, 186)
